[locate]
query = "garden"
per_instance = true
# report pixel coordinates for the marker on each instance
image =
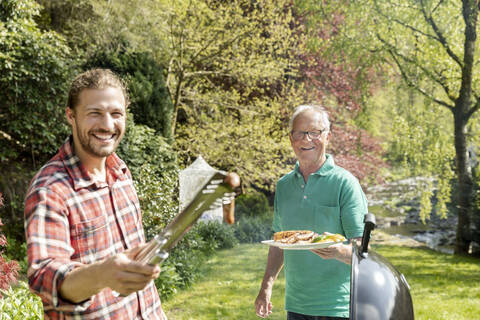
(220, 79)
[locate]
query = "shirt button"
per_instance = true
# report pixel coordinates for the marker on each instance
(304, 197)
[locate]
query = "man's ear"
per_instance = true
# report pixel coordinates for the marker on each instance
(327, 140)
(70, 114)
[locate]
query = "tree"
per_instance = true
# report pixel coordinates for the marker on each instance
(342, 79)
(150, 99)
(228, 67)
(233, 70)
(35, 68)
(433, 45)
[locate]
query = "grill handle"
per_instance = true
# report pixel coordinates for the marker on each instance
(370, 223)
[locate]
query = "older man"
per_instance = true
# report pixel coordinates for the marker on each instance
(82, 216)
(319, 196)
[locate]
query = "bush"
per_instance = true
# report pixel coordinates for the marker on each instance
(19, 303)
(150, 100)
(8, 269)
(17, 250)
(169, 281)
(35, 69)
(254, 229)
(251, 205)
(152, 162)
(215, 232)
(181, 268)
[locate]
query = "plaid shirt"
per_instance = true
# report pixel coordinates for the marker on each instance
(72, 220)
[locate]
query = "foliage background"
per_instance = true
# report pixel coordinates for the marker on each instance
(220, 79)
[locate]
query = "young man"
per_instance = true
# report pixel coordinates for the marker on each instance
(319, 196)
(82, 216)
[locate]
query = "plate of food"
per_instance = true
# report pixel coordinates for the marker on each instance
(303, 240)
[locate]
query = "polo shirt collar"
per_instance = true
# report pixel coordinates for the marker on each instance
(79, 175)
(324, 170)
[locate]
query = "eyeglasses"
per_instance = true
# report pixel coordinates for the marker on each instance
(299, 135)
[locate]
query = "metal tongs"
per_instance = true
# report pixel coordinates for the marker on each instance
(219, 189)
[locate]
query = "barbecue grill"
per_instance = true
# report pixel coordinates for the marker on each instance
(377, 290)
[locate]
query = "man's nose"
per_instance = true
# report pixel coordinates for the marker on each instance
(108, 122)
(306, 136)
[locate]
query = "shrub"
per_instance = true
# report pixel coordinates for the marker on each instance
(152, 162)
(251, 205)
(17, 250)
(35, 69)
(254, 229)
(222, 235)
(182, 267)
(150, 100)
(19, 303)
(168, 281)
(8, 269)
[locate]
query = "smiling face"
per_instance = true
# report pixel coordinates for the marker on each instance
(98, 122)
(310, 152)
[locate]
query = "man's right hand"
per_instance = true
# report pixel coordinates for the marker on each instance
(120, 273)
(263, 305)
(124, 275)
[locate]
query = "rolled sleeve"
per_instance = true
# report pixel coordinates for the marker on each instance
(48, 248)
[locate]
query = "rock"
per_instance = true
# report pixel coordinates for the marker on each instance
(402, 199)
(475, 248)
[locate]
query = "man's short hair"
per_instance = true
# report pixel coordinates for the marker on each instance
(315, 108)
(95, 79)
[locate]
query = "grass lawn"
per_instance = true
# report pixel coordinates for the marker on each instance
(442, 286)
(228, 288)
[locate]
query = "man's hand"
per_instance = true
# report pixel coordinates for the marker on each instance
(263, 305)
(120, 273)
(341, 252)
(125, 275)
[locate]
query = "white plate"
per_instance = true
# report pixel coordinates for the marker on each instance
(299, 246)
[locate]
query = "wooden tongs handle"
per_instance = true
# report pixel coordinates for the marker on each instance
(233, 180)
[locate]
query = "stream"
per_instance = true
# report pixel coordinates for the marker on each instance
(396, 206)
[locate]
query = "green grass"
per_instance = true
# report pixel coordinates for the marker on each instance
(442, 286)
(228, 288)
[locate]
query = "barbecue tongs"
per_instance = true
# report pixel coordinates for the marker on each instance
(220, 188)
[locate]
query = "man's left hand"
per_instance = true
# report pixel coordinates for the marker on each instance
(341, 252)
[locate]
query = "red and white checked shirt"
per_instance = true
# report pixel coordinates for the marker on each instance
(72, 220)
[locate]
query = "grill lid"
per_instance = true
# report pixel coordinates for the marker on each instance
(377, 290)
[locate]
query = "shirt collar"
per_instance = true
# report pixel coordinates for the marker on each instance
(327, 166)
(116, 168)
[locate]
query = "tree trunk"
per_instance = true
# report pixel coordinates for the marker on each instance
(460, 114)
(465, 187)
(176, 102)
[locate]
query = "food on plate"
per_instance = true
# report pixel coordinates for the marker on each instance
(306, 236)
(329, 237)
(294, 236)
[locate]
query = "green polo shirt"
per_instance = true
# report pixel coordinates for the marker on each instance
(332, 200)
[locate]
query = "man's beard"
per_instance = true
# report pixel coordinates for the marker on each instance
(88, 143)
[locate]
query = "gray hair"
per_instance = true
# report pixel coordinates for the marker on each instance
(306, 107)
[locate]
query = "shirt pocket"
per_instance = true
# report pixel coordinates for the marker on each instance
(327, 219)
(89, 238)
